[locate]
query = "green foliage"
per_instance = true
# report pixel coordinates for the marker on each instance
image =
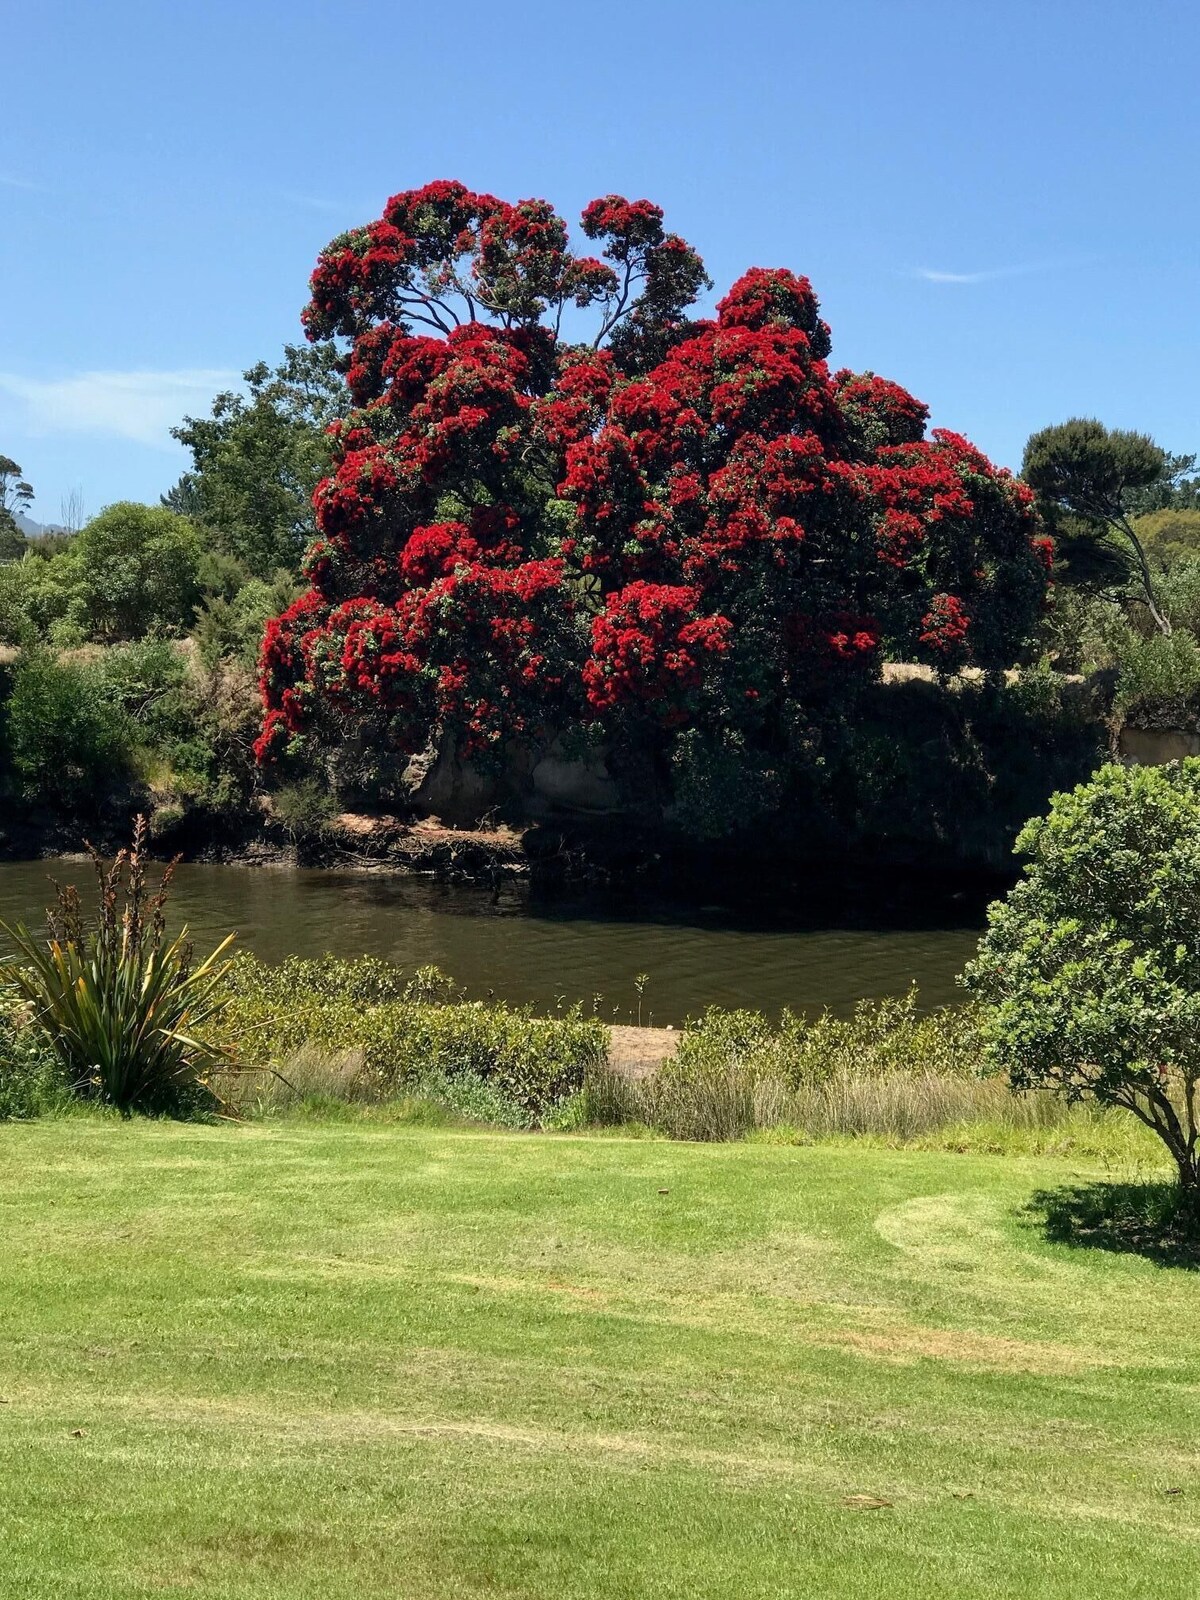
(194, 726)
(883, 1037)
(1082, 632)
(1087, 478)
(1090, 967)
(231, 627)
(733, 1072)
(146, 677)
(80, 726)
(271, 989)
(258, 459)
(304, 809)
(13, 543)
(1170, 536)
(135, 569)
(473, 1099)
(1177, 488)
(119, 1004)
(31, 1081)
(1159, 681)
(886, 1072)
(15, 626)
(1150, 679)
(36, 596)
(1179, 590)
(66, 739)
(949, 771)
(719, 786)
(1083, 468)
(15, 496)
(132, 570)
(403, 1037)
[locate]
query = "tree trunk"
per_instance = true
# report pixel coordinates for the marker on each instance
(1187, 1165)
(1162, 621)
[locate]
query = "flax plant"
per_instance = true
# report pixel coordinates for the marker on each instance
(124, 1008)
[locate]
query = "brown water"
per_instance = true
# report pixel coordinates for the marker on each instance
(525, 952)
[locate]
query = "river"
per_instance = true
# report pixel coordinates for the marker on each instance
(836, 950)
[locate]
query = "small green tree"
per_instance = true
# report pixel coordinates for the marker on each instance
(1088, 479)
(134, 569)
(1090, 966)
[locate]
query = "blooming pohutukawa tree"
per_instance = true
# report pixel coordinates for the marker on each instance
(557, 499)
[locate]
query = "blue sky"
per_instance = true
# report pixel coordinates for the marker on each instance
(996, 203)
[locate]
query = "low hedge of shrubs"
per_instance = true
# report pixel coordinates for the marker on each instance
(402, 1033)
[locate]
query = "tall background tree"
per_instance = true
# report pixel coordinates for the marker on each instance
(673, 524)
(258, 457)
(16, 495)
(1094, 486)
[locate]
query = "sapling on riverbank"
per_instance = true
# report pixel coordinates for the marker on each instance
(1090, 968)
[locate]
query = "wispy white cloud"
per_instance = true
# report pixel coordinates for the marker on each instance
(7, 181)
(988, 275)
(316, 202)
(141, 406)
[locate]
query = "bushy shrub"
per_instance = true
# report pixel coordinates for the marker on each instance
(31, 1080)
(122, 1007)
(325, 1082)
(304, 808)
(405, 1038)
(67, 740)
(1170, 537)
(231, 626)
(1179, 591)
(36, 594)
(148, 681)
(882, 1038)
(145, 676)
(474, 1099)
(1159, 680)
(948, 772)
(194, 726)
(720, 787)
(269, 989)
(132, 570)
(15, 626)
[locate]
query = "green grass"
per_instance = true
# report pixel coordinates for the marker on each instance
(354, 1360)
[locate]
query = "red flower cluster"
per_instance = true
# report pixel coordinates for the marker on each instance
(650, 650)
(945, 625)
(683, 519)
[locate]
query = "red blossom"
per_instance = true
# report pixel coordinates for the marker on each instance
(683, 518)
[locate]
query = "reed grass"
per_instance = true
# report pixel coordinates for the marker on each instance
(888, 1073)
(926, 1109)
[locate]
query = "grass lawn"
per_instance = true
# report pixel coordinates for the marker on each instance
(298, 1360)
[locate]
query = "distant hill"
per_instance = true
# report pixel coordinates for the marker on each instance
(32, 529)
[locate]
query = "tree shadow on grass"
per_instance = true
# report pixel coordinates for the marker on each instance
(1143, 1219)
